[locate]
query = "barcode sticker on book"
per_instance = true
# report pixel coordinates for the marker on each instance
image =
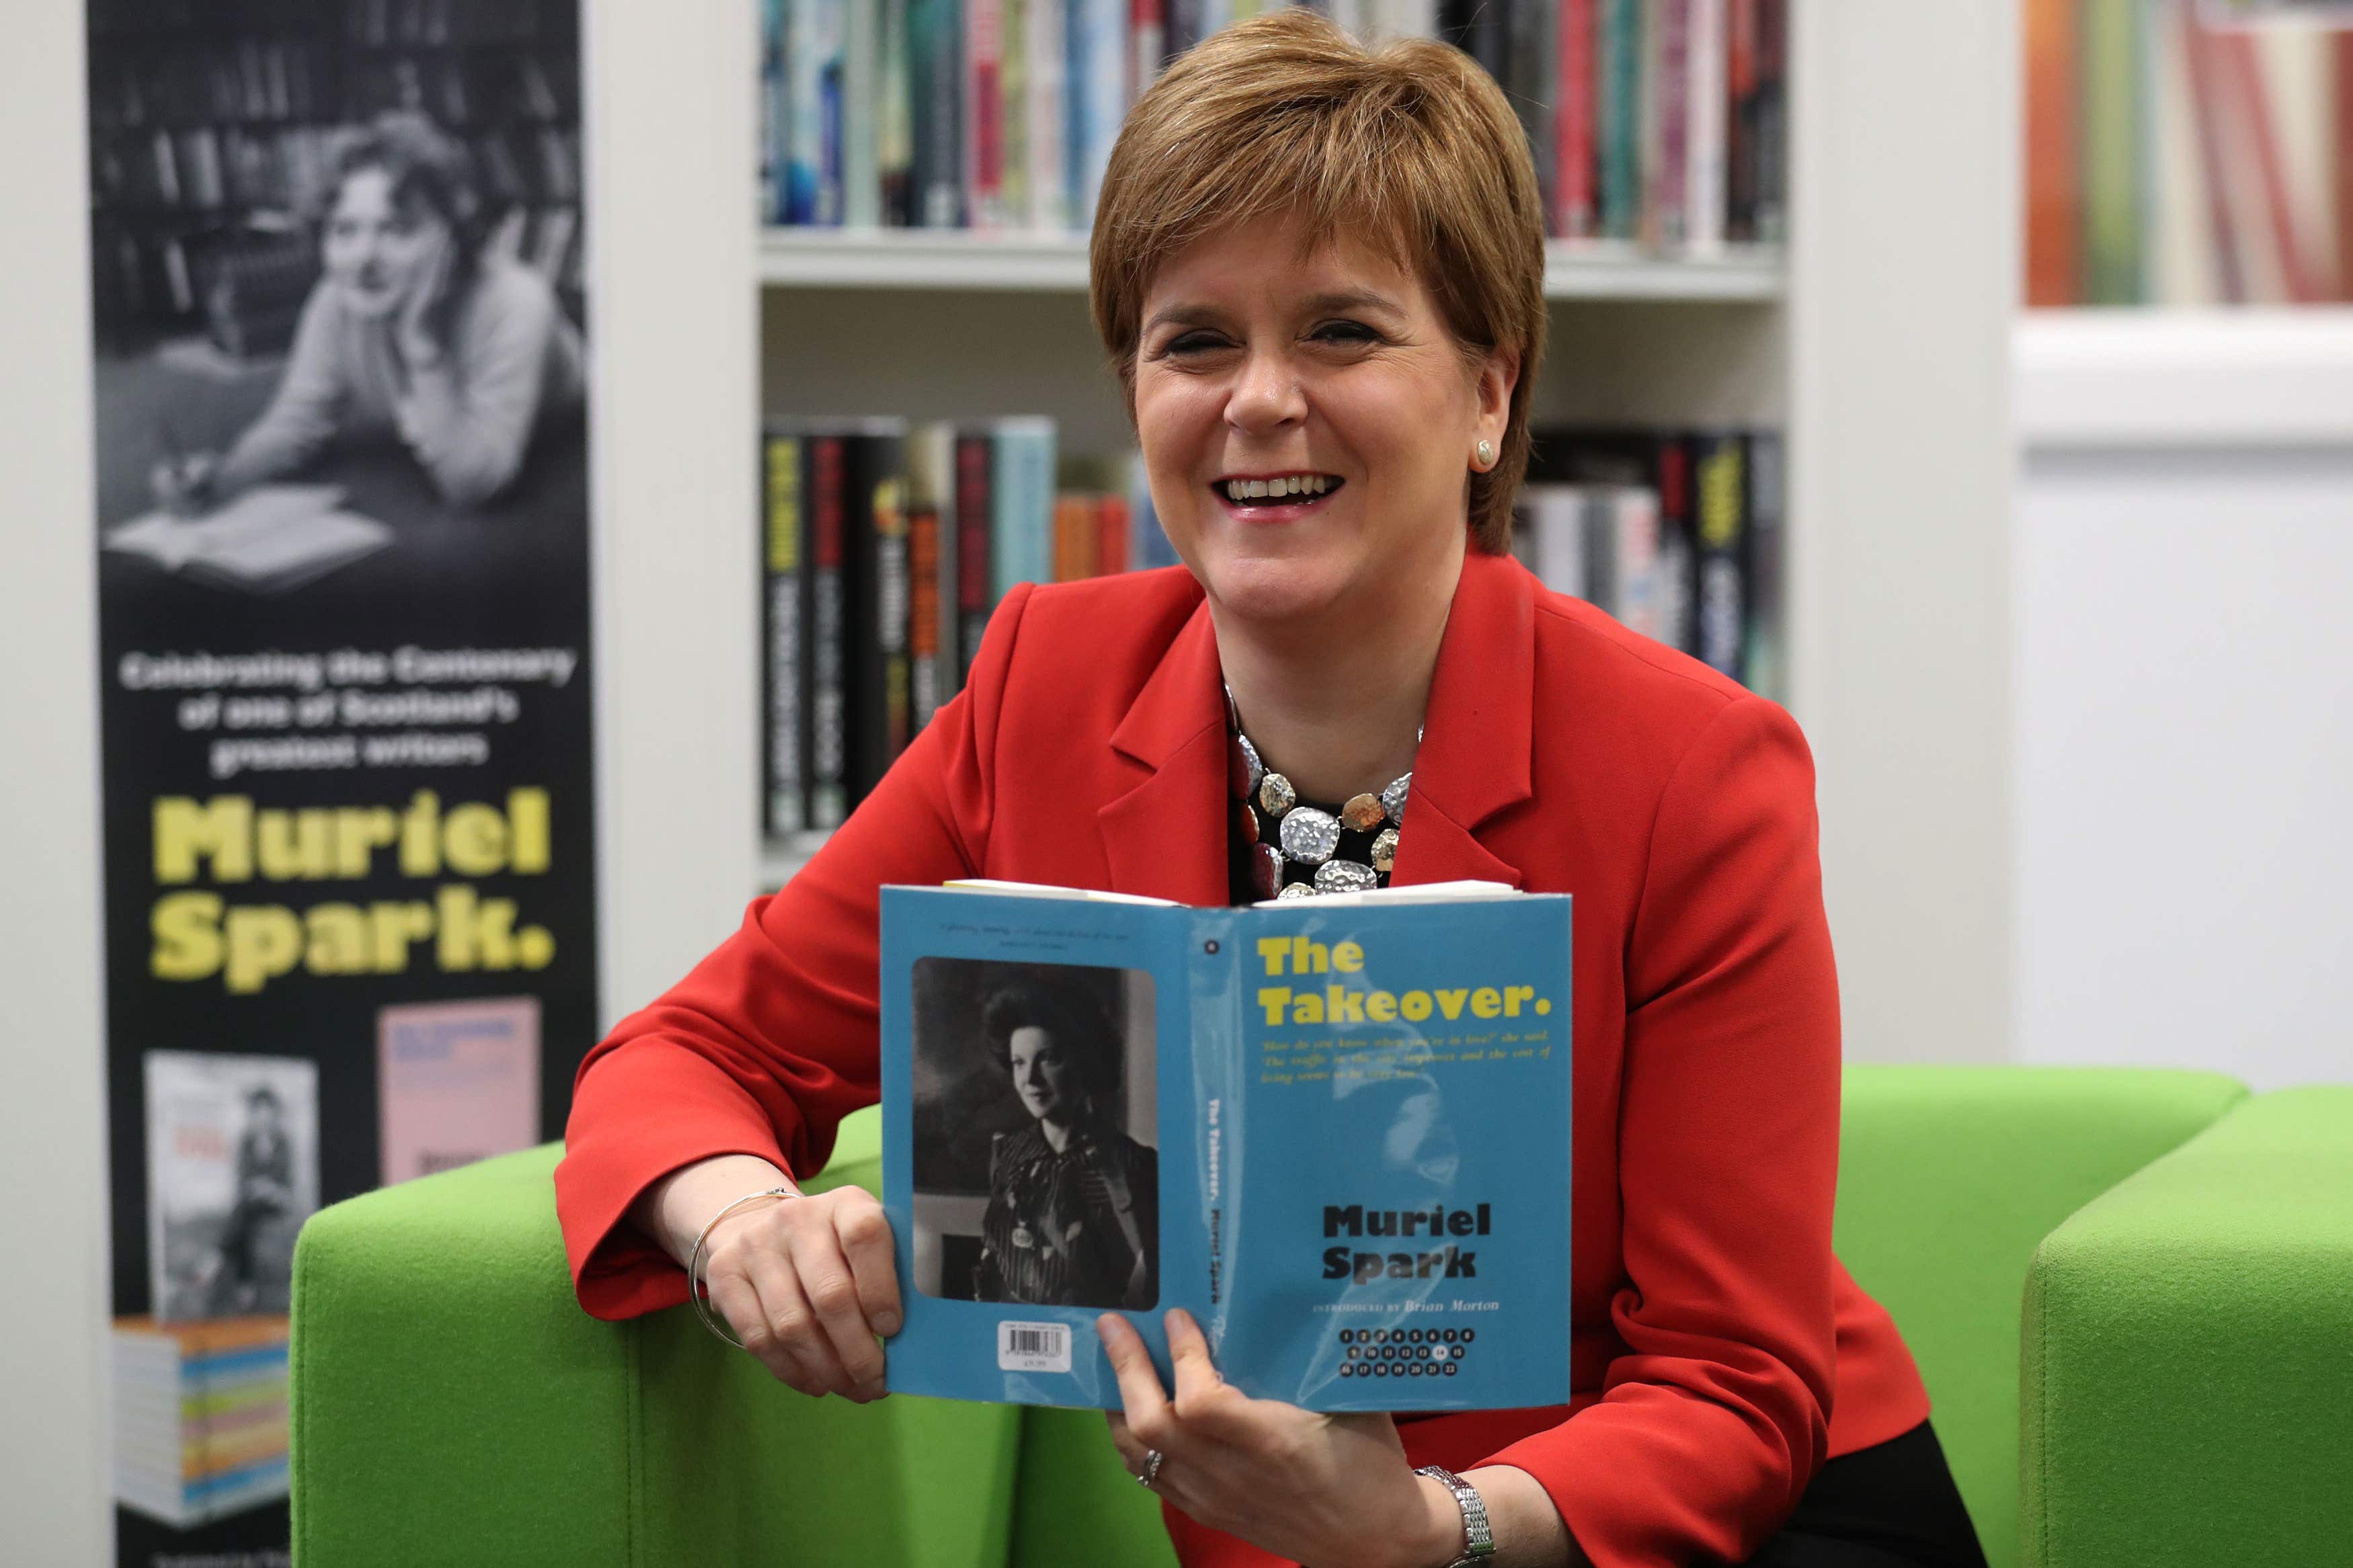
(1033, 1347)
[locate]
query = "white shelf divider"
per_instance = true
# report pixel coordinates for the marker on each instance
(1056, 263)
(2213, 378)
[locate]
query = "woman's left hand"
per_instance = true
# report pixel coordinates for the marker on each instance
(417, 330)
(1309, 1488)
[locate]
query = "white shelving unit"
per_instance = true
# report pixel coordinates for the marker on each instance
(1878, 340)
(1056, 263)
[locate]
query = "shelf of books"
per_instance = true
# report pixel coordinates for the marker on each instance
(1057, 262)
(925, 146)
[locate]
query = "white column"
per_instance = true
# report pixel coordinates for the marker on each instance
(1903, 282)
(54, 1494)
(673, 314)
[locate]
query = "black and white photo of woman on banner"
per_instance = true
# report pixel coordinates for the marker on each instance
(338, 279)
(1032, 1083)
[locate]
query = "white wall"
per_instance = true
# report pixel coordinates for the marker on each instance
(53, 1225)
(2185, 762)
(2185, 691)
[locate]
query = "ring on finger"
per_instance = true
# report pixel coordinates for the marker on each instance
(1153, 1459)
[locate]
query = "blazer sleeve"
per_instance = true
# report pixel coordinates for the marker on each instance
(1713, 1420)
(770, 1040)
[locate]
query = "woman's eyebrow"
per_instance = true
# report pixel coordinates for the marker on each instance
(1181, 315)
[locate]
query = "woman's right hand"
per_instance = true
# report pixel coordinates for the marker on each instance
(184, 485)
(807, 1283)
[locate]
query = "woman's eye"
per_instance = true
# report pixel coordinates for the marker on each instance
(1192, 343)
(1346, 332)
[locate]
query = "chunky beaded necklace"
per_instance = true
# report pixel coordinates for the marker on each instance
(1297, 850)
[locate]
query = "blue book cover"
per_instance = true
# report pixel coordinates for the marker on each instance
(1335, 1129)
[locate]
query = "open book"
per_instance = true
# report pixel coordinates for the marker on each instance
(268, 539)
(1335, 1129)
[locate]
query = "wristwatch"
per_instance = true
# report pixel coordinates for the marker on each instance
(1478, 1541)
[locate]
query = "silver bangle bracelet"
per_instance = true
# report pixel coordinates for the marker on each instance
(695, 1284)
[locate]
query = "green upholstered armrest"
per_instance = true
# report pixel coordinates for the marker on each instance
(2189, 1359)
(452, 1402)
(1949, 1179)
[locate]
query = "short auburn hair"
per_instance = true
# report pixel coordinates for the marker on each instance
(1410, 147)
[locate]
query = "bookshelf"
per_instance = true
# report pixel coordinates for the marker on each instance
(1876, 339)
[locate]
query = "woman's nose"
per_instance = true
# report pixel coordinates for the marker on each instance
(1266, 395)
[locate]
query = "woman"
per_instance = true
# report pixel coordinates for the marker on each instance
(412, 331)
(1319, 275)
(1074, 1203)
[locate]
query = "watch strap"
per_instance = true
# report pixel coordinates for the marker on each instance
(1478, 1541)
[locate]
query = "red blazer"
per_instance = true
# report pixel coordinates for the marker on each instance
(1719, 1352)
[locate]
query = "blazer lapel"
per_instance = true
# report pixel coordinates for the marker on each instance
(1165, 836)
(1478, 737)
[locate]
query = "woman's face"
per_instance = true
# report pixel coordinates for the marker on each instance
(378, 247)
(1043, 1075)
(1257, 366)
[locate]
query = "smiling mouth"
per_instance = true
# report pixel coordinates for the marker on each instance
(1288, 493)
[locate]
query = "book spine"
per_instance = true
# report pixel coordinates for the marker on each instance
(1148, 543)
(775, 113)
(894, 136)
(1668, 135)
(1557, 537)
(883, 515)
(1074, 537)
(2341, 131)
(1599, 537)
(1182, 22)
(1773, 121)
(925, 692)
(784, 675)
(861, 178)
(1048, 70)
(1740, 119)
(1617, 128)
(1531, 56)
(827, 494)
(2112, 222)
(984, 124)
(1573, 201)
(976, 459)
(1703, 133)
(1481, 29)
(1764, 655)
(1720, 509)
(1676, 569)
(2053, 188)
(832, 24)
(805, 146)
(935, 81)
(1637, 529)
(1147, 44)
(1098, 95)
(1023, 528)
(1013, 108)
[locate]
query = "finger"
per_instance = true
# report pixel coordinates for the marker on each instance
(737, 1301)
(793, 1328)
(1197, 1376)
(832, 1295)
(1131, 1448)
(865, 1236)
(1139, 1381)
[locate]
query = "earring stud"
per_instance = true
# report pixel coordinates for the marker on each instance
(1486, 454)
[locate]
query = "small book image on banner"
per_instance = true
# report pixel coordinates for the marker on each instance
(456, 1082)
(232, 1172)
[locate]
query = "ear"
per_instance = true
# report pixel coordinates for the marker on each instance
(1499, 374)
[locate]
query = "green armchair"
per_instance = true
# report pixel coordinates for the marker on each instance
(2187, 1347)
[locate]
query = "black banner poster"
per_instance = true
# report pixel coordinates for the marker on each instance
(344, 608)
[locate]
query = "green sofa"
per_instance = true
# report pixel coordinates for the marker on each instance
(2178, 1388)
